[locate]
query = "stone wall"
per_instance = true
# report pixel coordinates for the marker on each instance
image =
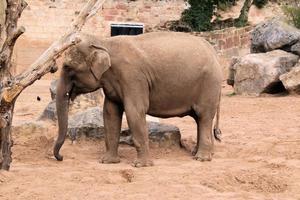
(229, 42)
(46, 20)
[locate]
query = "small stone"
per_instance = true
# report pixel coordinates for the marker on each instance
(127, 174)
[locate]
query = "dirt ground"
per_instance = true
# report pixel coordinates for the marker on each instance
(259, 158)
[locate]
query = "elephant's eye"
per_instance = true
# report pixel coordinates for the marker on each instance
(65, 66)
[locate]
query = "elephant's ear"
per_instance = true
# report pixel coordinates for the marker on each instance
(99, 61)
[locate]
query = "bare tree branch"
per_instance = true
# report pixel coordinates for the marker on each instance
(10, 32)
(44, 63)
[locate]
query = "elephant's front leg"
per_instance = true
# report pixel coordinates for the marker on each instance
(112, 114)
(137, 123)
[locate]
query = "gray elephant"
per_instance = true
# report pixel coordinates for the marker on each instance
(159, 74)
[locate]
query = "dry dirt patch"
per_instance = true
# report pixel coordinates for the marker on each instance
(258, 158)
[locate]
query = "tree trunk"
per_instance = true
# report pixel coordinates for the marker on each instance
(10, 12)
(242, 20)
(11, 87)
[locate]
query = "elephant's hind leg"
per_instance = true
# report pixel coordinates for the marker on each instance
(204, 148)
(112, 114)
(205, 141)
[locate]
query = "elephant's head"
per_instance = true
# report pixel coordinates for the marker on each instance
(86, 63)
(83, 67)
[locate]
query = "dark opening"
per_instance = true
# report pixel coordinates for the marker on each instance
(126, 29)
(275, 88)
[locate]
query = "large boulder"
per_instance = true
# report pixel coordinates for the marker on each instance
(52, 89)
(88, 123)
(296, 48)
(273, 34)
(81, 103)
(49, 112)
(259, 73)
(291, 80)
(161, 135)
(231, 71)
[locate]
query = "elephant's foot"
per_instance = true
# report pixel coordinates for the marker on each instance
(108, 159)
(203, 156)
(194, 152)
(142, 163)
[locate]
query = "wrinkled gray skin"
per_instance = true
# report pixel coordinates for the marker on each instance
(160, 74)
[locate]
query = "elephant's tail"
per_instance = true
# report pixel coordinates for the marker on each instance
(217, 130)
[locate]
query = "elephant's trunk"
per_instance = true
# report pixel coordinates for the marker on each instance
(62, 107)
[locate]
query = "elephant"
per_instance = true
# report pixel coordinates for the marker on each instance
(162, 74)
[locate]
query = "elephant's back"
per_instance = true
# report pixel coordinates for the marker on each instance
(178, 51)
(180, 47)
(168, 53)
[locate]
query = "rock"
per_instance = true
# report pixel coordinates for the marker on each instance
(52, 89)
(88, 123)
(82, 102)
(163, 135)
(232, 71)
(86, 101)
(273, 34)
(189, 144)
(49, 112)
(296, 48)
(291, 80)
(259, 73)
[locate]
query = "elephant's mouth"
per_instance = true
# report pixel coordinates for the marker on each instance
(73, 93)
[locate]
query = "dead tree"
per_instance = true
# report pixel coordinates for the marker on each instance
(10, 86)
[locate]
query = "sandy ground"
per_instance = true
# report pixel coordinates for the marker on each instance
(259, 158)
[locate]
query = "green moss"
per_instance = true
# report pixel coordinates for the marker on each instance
(293, 14)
